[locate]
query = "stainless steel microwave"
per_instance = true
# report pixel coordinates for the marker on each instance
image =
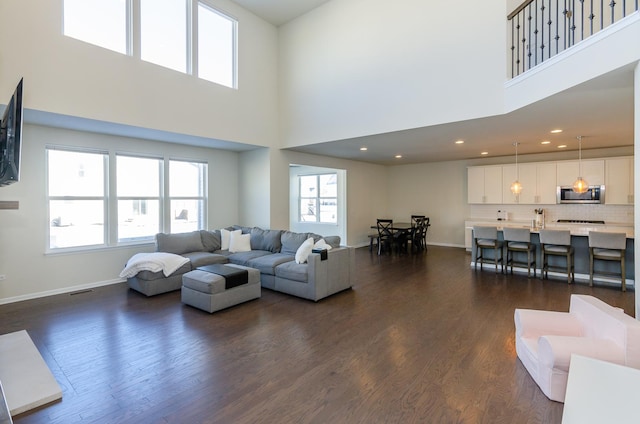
(594, 194)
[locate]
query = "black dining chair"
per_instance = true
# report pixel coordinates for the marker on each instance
(385, 235)
(418, 229)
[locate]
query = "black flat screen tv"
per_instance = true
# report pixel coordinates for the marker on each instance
(11, 139)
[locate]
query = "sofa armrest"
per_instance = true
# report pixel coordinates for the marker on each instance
(333, 274)
(533, 324)
(555, 352)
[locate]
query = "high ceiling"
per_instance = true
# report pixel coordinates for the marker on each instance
(600, 110)
(279, 12)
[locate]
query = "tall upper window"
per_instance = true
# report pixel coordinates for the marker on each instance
(165, 32)
(77, 198)
(319, 198)
(99, 22)
(216, 46)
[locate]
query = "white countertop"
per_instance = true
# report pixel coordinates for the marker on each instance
(577, 229)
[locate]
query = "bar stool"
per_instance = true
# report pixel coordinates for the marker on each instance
(519, 240)
(557, 243)
(607, 247)
(487, 238)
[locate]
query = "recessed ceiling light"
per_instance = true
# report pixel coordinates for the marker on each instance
(484, 153)
(562, 146)
(545, 142)
(556, 131)
(398, 156)
(364, 149)
(460, 142)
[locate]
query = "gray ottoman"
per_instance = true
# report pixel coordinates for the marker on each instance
(205, 290)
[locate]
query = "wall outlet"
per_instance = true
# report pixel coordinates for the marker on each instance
(3, 277)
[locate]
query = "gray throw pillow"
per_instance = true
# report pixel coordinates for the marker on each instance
(265, 240)
(333, 241)
(211, 240)
(179, 243)
(291, 242)
(245, 230)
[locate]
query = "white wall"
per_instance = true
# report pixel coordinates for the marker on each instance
(255, 188)
(359, 67)
(437, 190)
(69, 77)
(29, 271)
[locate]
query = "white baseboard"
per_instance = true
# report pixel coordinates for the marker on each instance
(64, 290)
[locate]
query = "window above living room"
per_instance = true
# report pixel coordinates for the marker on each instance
(188, 36)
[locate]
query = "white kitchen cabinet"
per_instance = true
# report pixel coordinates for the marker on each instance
(569, 171)
(484, 184)
(619, 181)
(538, 181)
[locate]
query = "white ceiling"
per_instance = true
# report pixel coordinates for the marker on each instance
(601, 111)
(279, 12)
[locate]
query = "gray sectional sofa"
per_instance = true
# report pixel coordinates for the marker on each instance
(272, 252)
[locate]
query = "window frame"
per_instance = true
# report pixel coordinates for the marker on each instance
(318, 198)
(110, 198)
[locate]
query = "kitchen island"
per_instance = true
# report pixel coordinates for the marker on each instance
(579, 241)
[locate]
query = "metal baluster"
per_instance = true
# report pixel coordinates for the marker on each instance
(518, 44)
(612, 5)
(591, 16)
(572, 40)
(549, 23)
(624, 8)
(535, 36)
(542, 46)
(513, 48)
(581, 20)
(526, 52)
(601, 14)
(564, 23)
(557, 37)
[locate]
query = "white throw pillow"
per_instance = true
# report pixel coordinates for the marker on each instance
(304, 250)
(225, 238)
(239, 242)
(321, 244)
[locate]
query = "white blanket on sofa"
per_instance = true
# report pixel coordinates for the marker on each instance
(154, 262)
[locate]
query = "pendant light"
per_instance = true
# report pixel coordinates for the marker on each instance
(580, 185)
(516, 187)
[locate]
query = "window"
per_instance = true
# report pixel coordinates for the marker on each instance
(99, 22)
(165, 33)
(319, 198)
(90, 207)
(77, 198)
(187, 188)
(216, 46)
(138, 182)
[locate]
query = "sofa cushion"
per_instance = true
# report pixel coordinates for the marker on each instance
(179, 243)
(333, 241)
(291, 242)
(211, 240)
(243, 258)
(239, 242)
(293, 271)
(267, 264)
(266, 240)
(243, 229)
(205, 258)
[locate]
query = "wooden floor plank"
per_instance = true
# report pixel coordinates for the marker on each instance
(420, 338)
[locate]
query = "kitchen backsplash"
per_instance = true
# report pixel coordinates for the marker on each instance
(611, 214)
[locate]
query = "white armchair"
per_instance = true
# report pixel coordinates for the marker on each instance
(545, 340)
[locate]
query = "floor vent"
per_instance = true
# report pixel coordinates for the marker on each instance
(80, 292)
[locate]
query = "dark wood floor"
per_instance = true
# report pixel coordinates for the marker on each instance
(420, 339)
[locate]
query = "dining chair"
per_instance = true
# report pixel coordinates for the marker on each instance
(486, 238)
(607, 247)
(385, 235)
(418, 230)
